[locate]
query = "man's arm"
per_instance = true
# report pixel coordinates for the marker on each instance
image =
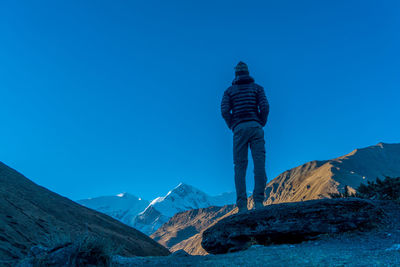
(226, 109)
(263, 105)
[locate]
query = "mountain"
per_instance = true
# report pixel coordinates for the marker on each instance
(31, 215)
(149, 216)
(316, 179)
(123, 207)
(183, 197)
(183, 226)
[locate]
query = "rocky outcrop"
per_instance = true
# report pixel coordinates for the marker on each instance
(31, 215)
(291, 223)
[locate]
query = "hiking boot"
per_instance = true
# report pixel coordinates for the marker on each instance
(242, 209)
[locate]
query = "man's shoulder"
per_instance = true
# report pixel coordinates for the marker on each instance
(258, 86)
(228, 90)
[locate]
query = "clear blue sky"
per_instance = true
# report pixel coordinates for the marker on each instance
(102, 97)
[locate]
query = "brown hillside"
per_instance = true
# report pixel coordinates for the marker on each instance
(316, 179)
(184, 229)
(31, 215)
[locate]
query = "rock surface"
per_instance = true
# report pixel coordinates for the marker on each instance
(31, 215)
(291, 223)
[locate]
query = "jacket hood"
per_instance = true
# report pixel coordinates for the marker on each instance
(243, 79)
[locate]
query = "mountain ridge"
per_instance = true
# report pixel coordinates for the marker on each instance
(159, 210)
(318, 179)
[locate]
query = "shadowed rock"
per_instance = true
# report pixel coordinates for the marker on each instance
(291, 223)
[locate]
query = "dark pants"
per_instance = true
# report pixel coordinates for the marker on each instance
(248, 134)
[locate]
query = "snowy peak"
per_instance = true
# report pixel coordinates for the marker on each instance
(182, 198)
(148, 216)
(118, 206)
(182, 190)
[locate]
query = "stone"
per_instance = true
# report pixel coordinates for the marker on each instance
(290, 223)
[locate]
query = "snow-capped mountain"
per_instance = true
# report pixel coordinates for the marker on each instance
(182, 198)
(149, 216)
(123, 206)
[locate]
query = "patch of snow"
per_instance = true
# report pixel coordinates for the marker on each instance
(156, 200)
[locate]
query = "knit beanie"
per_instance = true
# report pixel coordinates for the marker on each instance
(241, 69)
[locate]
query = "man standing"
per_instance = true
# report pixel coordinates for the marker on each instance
(245, 110)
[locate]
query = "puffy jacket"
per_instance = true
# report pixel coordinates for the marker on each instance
(244, 101)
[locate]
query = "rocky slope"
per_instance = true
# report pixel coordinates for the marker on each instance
(316, 179)
(31, 215)
(184, 229)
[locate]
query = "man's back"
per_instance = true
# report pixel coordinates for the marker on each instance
(244, 101)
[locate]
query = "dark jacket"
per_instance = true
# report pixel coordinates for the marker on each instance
(244, 101)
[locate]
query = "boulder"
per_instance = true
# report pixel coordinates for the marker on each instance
(291, 223)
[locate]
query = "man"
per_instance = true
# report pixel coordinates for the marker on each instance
(245, 110)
